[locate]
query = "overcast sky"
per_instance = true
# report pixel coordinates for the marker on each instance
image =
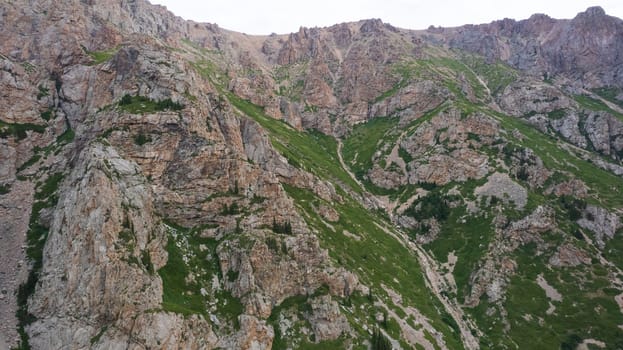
(286, 16)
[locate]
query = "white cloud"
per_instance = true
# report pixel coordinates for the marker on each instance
(285, 16)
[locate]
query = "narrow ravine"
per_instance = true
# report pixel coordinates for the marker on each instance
(436, 282)
(340, 145)
(433, 277)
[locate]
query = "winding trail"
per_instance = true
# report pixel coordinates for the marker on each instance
(436, 282)
(433, 278)
(340, 145)
(610, 105)
(379, 201)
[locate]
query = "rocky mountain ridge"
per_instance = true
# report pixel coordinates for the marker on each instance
(172, 184)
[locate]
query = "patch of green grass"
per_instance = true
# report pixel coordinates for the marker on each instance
(35, 158)
(66, 137)
(49, 187)
(43, 92)
(409, 69)
(28, 67)
(595, 105)
(99, 57)
(497, 75)
(19, 131)
(142, 139)
(391, 326)
(4, 189)
(611, 94)
(557, 114)
(207, 69)
(406, 156)
(391, 92)
(142, 104)
(257, 199)
(186, 257)
(584, 310)
(98, 336)
(364, 140)
(379, 341)
(232, 275)
(452, 70)
(433, 205)
(309, 150)
(606, 188)
(37, 234)
(378, 257)
(177, 295)
(468, 240)
(47, 114)
(613, 250)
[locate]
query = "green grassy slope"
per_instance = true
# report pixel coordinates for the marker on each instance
(588, 308)
(378, 258)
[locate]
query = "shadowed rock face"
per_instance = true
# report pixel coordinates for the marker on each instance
(586, 48)
(155, 208)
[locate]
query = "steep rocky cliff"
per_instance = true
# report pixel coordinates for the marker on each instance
(171, 184)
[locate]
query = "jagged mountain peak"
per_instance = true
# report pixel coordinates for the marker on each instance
(178, 185)
(594, 11)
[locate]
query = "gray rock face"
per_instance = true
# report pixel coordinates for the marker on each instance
(102, 224)
(502, 187)
(605, 133)
(596, 131)
(442, 147)
(496, 267)
(585, 47)
(574, 188)
(569, 128)
(420, 96)
(15, 211)
(548, 108)
(266, 276)
(159, 330)
(527, 96)
(254, 334)
(568, 255)
(327, 321)
(601, 222)
(66, 65)
(106, 241)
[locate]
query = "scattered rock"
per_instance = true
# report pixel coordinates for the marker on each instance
(574, 188)
(569, 255)
(501, 186)
(601, 222)
(326, 320)
(550, 292)
(328, 213)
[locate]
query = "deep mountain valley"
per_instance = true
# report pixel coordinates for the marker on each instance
(167, 184)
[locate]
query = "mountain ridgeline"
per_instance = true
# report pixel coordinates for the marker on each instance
(171, 184)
